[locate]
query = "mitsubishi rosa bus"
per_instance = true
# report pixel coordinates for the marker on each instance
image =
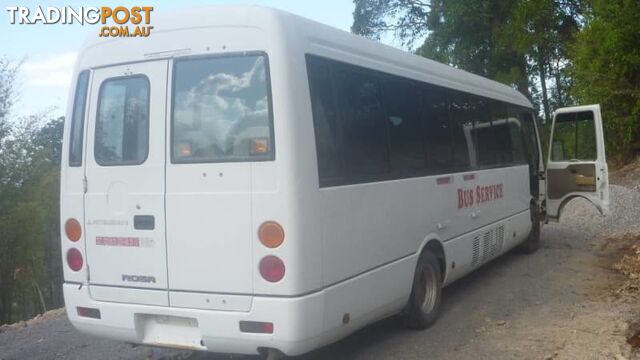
(248, 181)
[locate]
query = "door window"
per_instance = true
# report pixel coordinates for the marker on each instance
(122, 122)
(574, 137)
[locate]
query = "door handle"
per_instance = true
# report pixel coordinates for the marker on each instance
(144, 222)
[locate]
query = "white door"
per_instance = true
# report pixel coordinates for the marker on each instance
(577, 165)
(219, 125)
(124, 200)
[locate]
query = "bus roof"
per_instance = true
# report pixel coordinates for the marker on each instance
(304, 36)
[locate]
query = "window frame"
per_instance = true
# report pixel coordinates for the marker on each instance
(272, 153)
(98, 107)
(75, 118)
(425, 89)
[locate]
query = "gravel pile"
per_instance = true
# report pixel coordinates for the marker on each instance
(624, 216)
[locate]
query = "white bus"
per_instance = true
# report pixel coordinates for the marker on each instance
(248, 181)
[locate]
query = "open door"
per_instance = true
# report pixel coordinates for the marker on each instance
(577, 165)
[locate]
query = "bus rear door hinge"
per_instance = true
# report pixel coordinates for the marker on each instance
(84, 185)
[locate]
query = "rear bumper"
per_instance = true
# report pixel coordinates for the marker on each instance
(297, 323)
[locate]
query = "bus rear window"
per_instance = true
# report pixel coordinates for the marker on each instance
(221, 110)
(122, 123)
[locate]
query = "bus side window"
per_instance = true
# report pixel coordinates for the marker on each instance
(516, 136)
(365, 135)
(77, 120)
(462, 125)
(499, 120)
(405, 127)
(325, 122)
(484, 139)
(439, 141)
(530, 139)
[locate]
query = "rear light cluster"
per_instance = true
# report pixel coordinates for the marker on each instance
(73, 230)
(272, 268)
(89, 312)
(256, 327)
(271, 235)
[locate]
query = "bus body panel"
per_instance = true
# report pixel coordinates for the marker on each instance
(358, 241)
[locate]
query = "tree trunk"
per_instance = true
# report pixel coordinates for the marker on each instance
(558, 87)
(543, 85)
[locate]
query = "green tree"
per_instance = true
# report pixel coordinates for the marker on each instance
(521, 43)
(461, 33)
(542, 30)
(606, 69)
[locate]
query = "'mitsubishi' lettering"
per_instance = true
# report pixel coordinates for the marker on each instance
(480, 195)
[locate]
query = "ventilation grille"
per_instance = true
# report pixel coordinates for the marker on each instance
(492, 244)
(475, 260)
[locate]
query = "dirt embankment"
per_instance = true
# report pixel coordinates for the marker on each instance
(627, 175)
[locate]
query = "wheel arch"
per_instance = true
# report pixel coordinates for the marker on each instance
(433, 243)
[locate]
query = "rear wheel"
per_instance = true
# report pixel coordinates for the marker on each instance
(424, 304)
(532, 244)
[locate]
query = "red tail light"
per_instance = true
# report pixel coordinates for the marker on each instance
(74, 259)
(272, 268)
(72, 229)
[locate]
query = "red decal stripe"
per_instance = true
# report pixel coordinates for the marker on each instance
(468, 177)
(443, 180)
(118, 241)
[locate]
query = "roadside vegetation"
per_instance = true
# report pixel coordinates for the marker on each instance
(30, 260)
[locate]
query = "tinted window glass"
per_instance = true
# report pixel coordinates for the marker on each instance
(531, 147)
(122, 123)
(462, 123)
(499, 121)
(77, 120)
(372, 126)
(405, 127)
(483, 138)
(516, 137)
(530, 138)
(439, 150)
(325, 121)
(221, 110)
(365, 137)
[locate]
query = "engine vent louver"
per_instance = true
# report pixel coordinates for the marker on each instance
(475, 260)
(492, 244)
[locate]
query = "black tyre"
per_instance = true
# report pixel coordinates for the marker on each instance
(424, 304)
(532, 244)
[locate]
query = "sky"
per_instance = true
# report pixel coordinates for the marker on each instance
(48, 52)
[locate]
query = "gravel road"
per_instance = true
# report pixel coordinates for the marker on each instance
(554, 304)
